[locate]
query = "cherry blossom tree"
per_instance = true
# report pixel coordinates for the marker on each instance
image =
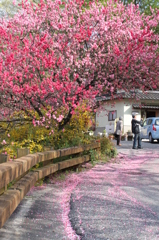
(56, 55)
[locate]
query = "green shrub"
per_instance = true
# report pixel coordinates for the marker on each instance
(94, 156)
(107, 147)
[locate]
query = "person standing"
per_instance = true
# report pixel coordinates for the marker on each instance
(119, 127)
(136, 128)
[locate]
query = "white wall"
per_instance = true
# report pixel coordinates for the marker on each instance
(128, 115)
(102, 116)
(123, 108)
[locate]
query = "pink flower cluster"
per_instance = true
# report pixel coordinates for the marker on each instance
(54, 57)
(3, 142)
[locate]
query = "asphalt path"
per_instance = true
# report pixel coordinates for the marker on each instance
(127, 145)
(117, 200)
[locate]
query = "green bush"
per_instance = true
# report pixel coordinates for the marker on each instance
(94, 156)
(107, 148)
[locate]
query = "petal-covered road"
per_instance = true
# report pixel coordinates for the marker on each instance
(117, 200)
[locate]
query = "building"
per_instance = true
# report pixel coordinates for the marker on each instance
(125, 104)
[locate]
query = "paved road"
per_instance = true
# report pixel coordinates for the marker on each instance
(117, 200)
(145, 144)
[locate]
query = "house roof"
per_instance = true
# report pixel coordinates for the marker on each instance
(137, 106)
(147, 95)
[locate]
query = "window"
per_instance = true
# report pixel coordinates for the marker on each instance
(112, 115)
(157, 122)
(144, 124)
(149, 122)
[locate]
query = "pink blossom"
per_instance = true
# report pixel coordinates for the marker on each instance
(59, 119)
(3, 142)
(105, 49)
(52, 132)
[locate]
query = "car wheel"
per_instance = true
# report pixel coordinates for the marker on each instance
(150, 138)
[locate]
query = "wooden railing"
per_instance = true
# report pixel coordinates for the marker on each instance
(22, 175)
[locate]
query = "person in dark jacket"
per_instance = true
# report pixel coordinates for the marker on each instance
(135, 124)
(119, 126)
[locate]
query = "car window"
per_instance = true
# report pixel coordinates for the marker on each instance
(149, 122)
(144, 124)
(157, 122)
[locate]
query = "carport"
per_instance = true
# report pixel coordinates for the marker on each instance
(147, 110)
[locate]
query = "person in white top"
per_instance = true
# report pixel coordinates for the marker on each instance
(119, 127)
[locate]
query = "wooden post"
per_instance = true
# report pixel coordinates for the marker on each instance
(5, 187)
(21, 152)
(48, 148)
(4, 158)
